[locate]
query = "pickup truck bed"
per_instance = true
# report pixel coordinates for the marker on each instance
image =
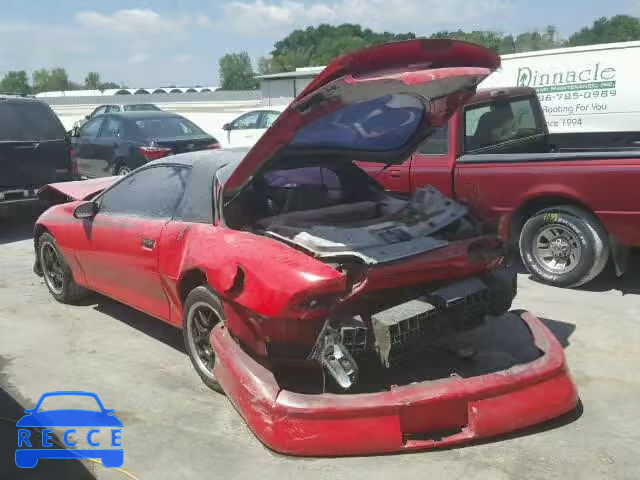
(569, 206)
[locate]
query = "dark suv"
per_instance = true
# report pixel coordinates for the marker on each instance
(34, 149)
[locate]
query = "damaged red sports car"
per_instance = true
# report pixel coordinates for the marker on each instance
(322, 305)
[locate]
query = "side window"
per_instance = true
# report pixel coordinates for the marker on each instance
(472, 117)
(524, 115)
(151, 193)
(114, 108)
(99, 110)
(111, 128)
(437, 143)
(91, 128)
(498, 122)
(268, 118)
(247, 121)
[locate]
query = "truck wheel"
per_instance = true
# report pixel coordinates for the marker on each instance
(57, 274)
(564, 246)
(201, 312)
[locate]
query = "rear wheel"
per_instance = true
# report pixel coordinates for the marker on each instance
(56, 273)
(564, 246)
(201, 312)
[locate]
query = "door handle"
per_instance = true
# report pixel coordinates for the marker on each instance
(148, 244)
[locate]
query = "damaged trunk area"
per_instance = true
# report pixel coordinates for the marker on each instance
(389, 338)
(374, 338)
(339, 215)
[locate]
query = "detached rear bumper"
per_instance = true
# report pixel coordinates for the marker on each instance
(422, 415)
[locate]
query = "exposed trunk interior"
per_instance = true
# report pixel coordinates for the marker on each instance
(494, 346)
(335, 212)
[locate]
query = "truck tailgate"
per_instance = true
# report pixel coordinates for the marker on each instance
(33, 163)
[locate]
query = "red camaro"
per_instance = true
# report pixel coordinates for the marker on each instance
(304, 290)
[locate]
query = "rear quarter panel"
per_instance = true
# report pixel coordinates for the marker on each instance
(608, 187)
(258, 280)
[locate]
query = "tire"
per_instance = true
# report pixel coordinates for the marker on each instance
(56, 272)
(196, 340)
(583, 231)
(121, 168)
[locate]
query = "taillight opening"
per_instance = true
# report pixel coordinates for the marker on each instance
(214, 146)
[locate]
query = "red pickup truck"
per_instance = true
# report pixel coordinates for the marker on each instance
(570, 202)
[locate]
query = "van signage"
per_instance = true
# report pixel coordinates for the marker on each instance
(593, 77)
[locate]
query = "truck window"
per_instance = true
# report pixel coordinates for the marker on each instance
(498, 122)
(437, 143)
(28, 121)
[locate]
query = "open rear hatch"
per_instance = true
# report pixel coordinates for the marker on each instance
(376, 104)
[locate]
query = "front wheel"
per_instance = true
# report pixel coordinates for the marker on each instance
(564, 246)
(201, 312)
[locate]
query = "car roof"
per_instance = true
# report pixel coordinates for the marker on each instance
(196, 205)
(143, 114)
(19, 99)
(486, 94)
(218, 158)
(274, 108)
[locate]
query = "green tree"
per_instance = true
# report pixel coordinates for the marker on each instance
(15, 81)
(504, 44)
(53, 80)
(489, 39)
(620, 28)
(107, 85)
(58, 79)
(319, 45)
(40, 80)
(236, 72)
(92, 81)
(267, 66)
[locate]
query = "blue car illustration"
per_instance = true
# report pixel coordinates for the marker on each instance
(28, 457)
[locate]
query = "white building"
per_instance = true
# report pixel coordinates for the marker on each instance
(125, 91)
(281, 88)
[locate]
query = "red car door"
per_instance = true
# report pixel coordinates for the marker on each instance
(123, 263)
(122, 258)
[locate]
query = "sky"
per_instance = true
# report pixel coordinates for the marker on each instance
(145, 43)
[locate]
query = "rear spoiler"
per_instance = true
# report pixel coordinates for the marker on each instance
(79, 190)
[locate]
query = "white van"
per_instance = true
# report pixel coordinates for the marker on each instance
(581, 89)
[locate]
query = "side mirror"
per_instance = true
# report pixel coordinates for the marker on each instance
(75, 131)
(87, 117)
(226, 127)
(85, 210)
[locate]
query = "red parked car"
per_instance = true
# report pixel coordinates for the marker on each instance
(304, 290)
(569, 201)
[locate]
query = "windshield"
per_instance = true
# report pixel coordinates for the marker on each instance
(381, 124)
(28, 121)
(168, 127)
